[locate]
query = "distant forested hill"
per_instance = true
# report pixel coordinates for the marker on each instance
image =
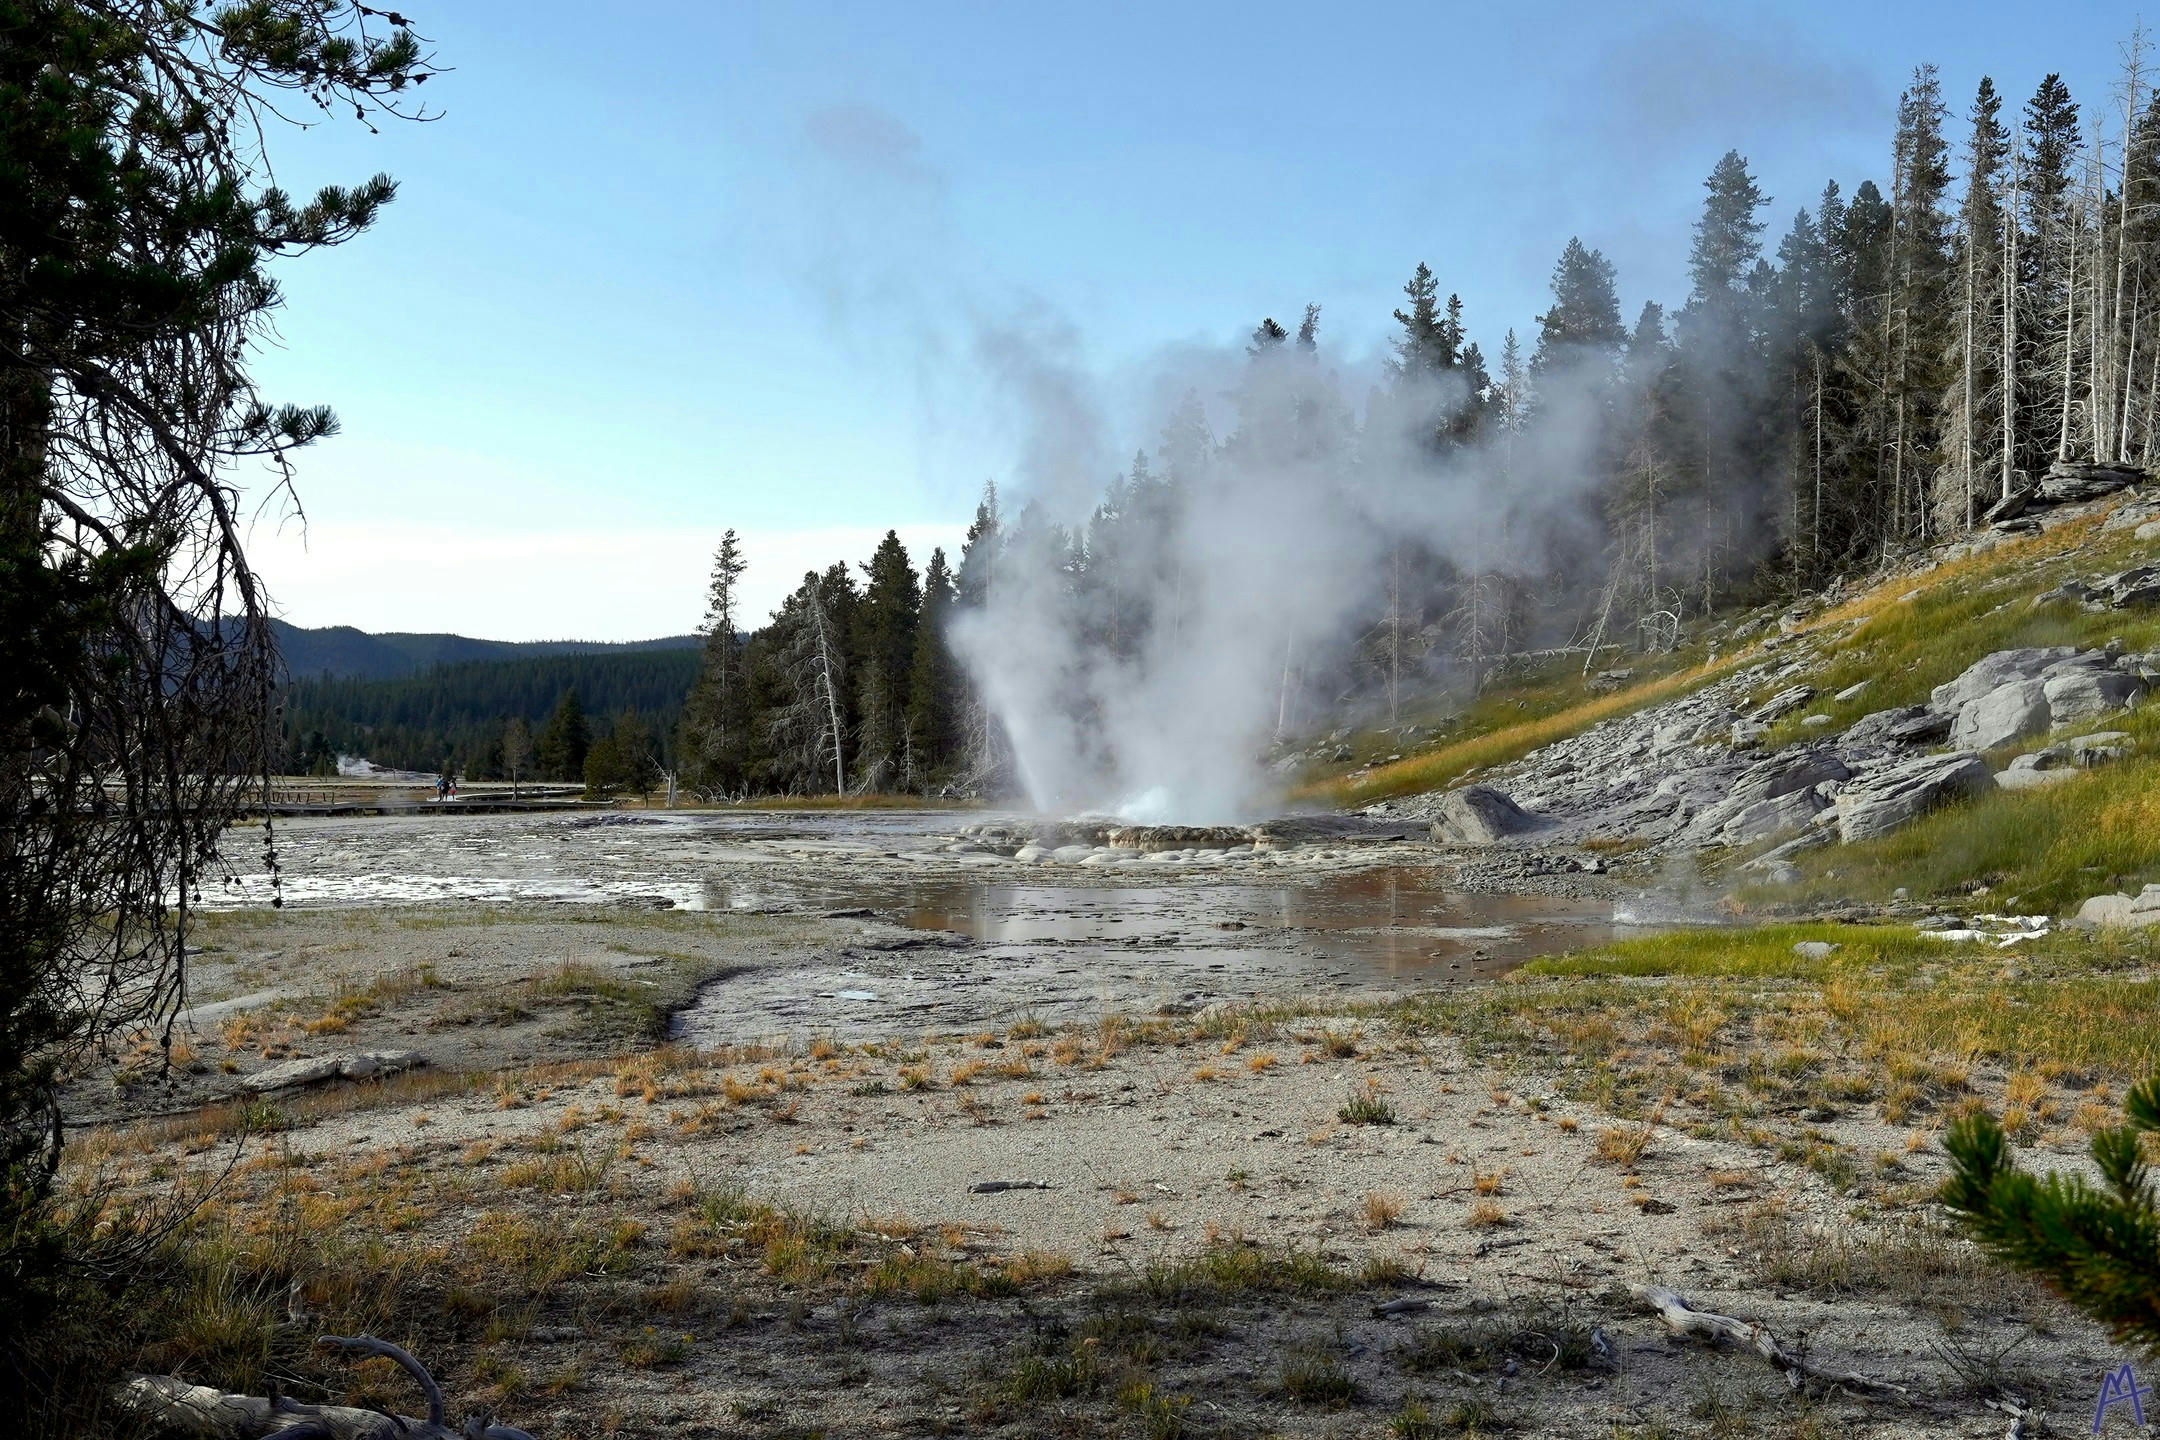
(457, 712)
(342, 651)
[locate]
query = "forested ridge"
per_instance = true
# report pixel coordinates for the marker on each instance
(348, 653)
(456, 716)
(1901, 358)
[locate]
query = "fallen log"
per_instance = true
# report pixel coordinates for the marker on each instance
(1684, 1319)
(1400, 1307)
(167, 1405)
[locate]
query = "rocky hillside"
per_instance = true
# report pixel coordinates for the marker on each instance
(1987, 694)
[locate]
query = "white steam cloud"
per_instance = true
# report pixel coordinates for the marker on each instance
(1218, 595)
(1225, 595)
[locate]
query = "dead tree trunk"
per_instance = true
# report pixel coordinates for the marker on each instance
(165, 1405)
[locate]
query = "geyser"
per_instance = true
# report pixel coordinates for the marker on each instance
(1140, 647)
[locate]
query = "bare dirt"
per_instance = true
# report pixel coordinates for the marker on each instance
(1232, 1158)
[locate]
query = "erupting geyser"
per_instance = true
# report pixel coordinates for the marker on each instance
(1141, 647)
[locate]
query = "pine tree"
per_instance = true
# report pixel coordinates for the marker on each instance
(715, 727)
(1714, 400)
(2049, 391)
(1794, 344)
(886, 626)
(1423, 350)
(1308, 331)
(2096, 1246)
(1266, 336)
(1919, 303)
(139, 223)
(1638, 507)
(1855, 520)
(1582, 328)
(563, 743)
(809, 718)
(2141, 242)
(1972, 430)
(933, 683)
(979, 551)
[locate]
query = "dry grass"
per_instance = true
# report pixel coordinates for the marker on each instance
(1436, 768)
(1382, 1208)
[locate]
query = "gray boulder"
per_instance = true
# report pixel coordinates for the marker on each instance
(2099, 748)
(2006, 713)
(1481, 815)
(2126, 588)
(1766, 819)
(1991, 672)
(1782, 703)
(1880, 802)
(314, 1070)
(1904, 725)
(2010, 507)
(2121, 912)
(2087, 691)
(2042, 767)
(2070, 592)
(2068, 481)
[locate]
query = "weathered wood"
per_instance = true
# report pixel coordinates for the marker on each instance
(1684, 1319)
(2025, 1422)
(1400, 1307)
(165, 1405)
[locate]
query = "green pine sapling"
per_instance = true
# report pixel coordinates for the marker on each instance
(2096, 1246)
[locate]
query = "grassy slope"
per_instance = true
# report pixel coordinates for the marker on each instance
(2039, 849)
(1509, 721)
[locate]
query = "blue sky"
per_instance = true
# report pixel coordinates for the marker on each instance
(659, 269)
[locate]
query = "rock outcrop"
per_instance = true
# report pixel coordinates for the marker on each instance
(1887, 799)
(2014, 693)
(1775, 796)
(1692, 771)
(2121, 912)
(2005, 713)
(2067, 482)
(1481, 815)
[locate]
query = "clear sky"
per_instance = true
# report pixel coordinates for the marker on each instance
(659, 269)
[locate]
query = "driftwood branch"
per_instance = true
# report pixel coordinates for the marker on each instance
(1684, 1319)
(166, 1405)
(2025, 1422)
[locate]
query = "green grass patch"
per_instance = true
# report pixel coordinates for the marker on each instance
(1228, 1270)
(2038, 851)
(1755, 953)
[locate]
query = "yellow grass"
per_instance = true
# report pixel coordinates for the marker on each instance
(1439, 767)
